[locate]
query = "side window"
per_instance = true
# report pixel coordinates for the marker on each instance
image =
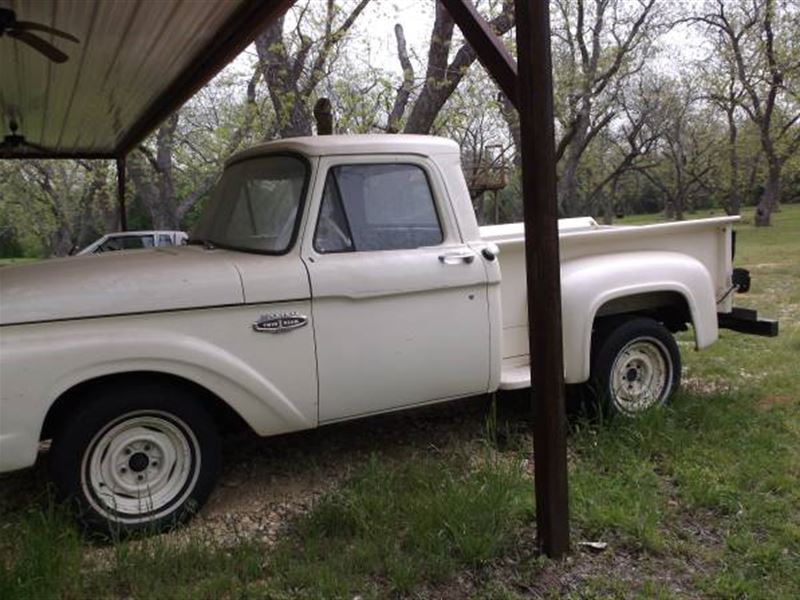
(377, 207)
(333, 231)
(164, 239)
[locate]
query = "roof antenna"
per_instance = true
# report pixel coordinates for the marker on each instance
(323, 113)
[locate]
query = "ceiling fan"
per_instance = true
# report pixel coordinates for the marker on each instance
(17, 144)
(21, 31)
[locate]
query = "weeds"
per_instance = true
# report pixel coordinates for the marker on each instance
(404, 524)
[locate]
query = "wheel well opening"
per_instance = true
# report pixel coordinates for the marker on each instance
(223, 415)
(669, 308)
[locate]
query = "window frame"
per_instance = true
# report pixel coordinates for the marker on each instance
(375, 163)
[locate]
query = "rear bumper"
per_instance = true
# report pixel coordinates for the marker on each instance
(746, 320)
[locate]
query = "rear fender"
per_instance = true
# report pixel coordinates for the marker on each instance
(590, 282)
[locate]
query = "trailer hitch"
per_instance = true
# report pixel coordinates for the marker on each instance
(745, 320)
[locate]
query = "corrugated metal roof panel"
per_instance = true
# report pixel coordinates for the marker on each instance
(128, 55)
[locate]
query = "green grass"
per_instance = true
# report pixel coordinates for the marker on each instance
(717, 464)
(390, 526)
(701, 499)
(723, 462)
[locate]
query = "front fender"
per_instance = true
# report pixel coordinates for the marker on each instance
(41, 362)
(590, 282)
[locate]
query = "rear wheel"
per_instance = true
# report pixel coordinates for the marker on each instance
(636, 366)
(142, 458)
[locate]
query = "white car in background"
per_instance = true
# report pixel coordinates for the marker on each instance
(130, 240)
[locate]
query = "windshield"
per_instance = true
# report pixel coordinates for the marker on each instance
(255, 205)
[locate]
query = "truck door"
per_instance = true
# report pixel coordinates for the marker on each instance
(399, 300)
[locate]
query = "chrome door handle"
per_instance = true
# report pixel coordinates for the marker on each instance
(459, 257)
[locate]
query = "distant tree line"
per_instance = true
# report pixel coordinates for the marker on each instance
(636, 132)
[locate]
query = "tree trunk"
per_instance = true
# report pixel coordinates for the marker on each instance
(609, 203)
(567, 187)
(60, 242)
(150, 188)
(771, 196)
(156, 188)
(734, 205)
(293, 115)
(511, 117)
(680, 204)
(669, 209)
(442, 78)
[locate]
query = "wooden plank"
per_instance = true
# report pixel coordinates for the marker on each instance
(535, 105)
(529, 85)
(490, 49)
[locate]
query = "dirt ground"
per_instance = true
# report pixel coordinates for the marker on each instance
(267, 481)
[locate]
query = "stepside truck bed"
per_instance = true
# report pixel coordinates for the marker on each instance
(706, 240)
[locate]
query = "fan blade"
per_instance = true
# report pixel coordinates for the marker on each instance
(39, 44)
(30, 26)
(24, 147)
(35, 147)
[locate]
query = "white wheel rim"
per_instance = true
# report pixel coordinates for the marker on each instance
(641, 376)
(140, 467)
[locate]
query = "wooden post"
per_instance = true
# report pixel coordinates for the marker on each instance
(123, 216)
(529, 85)
(323, 113)
(535, 105)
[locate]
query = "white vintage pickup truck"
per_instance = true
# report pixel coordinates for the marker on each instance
(329, 278)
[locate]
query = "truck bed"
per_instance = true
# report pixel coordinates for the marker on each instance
(703, 239)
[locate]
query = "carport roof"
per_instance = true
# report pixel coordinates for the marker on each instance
(136, 62)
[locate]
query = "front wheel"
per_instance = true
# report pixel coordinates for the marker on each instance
(636, 366)
(141, 458)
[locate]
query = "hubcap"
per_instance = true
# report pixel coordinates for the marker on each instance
(139, 462)
(140, 467)
(641, 376)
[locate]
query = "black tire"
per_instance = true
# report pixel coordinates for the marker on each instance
(138, 458)
(636, 366)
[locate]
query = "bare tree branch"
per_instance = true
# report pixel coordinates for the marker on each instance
(404, 92)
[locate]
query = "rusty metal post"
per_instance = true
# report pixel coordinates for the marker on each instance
(535, 104)
(123, 216)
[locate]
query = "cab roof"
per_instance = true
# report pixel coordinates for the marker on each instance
(337, 145)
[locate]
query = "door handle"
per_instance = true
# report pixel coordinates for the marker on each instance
(455, 258)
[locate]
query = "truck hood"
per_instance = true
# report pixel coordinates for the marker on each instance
(122, 282)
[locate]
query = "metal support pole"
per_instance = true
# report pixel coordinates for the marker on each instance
(535, 104)
(123, 216)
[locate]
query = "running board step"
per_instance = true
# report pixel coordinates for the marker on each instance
(515, 377)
